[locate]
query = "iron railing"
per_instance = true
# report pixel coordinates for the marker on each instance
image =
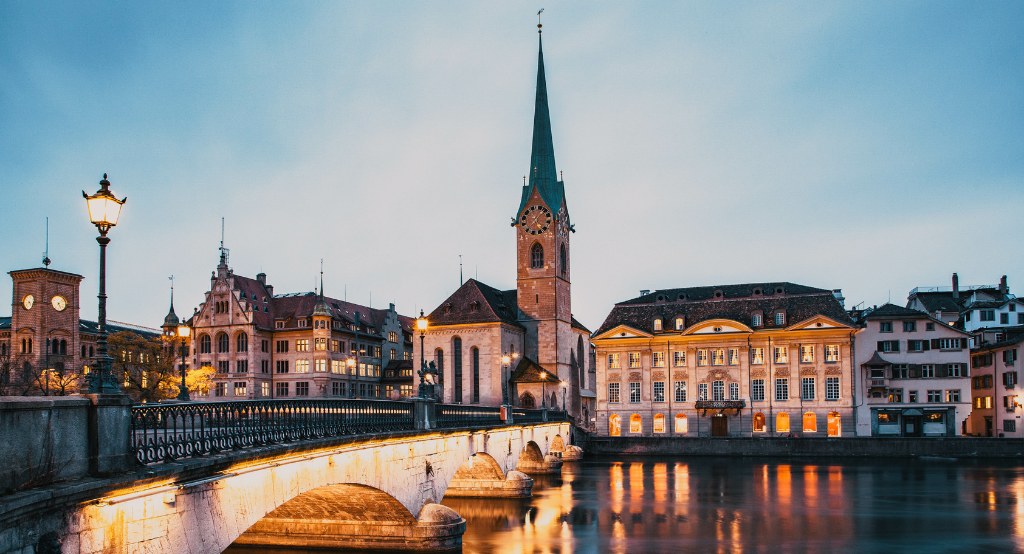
(458, 415)
(166, 432)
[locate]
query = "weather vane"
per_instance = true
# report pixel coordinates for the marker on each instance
(538, 19)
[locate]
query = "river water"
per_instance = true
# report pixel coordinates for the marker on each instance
(655, 505)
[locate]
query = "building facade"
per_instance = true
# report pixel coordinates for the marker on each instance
(995, 383)
(521, 346)
(303, 345)
(971, 307)
(765, 359)
(914, 375)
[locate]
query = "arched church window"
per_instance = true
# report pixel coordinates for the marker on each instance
(222, 342)
(526, 401)
(204, 345)
(475, 361)
(242, 342)
(537, 256)
(457, 370)
(563, 262)
(63, 346)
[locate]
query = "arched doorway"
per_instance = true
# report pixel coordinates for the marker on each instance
(682, 425)
(835, 428)
(810, 422)
(526, 400)
(615, 425)
(759, 422)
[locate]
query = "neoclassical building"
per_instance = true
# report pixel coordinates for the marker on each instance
(302, 345)
(478, 328)
(761, 359)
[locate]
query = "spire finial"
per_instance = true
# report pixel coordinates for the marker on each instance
(223, 251)
(46, 252)
(321, 278)
(539, 26)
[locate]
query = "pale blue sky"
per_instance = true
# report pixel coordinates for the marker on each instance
(868, 146)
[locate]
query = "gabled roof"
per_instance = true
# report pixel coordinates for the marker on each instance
(876, 360)
(734, 302)
(893, 311)
(255, 293)
(529, 371)
(576, 324)
(475, 302)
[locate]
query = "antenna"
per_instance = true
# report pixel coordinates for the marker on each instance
(223, 251)
(460, 270)
(172, 290)
(321, 277)
(46, 252)
(538, 19)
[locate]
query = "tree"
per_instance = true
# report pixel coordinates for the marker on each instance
(198, 380)
(142, 366)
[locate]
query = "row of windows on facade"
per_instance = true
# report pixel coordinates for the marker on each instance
(759, 424)
(1010, 403)
(984, 360)
(932, 396)
(908, 326)
(338, 367)
(718, 390)
(53, 346)
(724, 356)
(922, 345)
(756, 320)
(918, 371)
(537, 259)
(283, 390)
(990, 315)
(282, 346)
(336, 324)
(985, 381)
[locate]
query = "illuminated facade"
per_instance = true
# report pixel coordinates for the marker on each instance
(769, 359)
(914, 378)
(263, 345)
(475, 328)
(996, 391)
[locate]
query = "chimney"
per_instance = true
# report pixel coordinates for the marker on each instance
(1004, 289)
(644, 292)
(270, 290)
(838, 293)
(262, 278)
(956, 287)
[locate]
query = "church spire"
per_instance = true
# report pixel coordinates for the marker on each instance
(171, 320)
(542, 177)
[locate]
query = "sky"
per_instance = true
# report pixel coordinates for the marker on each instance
(867, 146)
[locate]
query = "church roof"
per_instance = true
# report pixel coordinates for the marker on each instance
(543, 176)
(475, 302)
(529, 371)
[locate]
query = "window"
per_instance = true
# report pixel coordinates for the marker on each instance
(1009, 425)
(928, 370)
(782, 389)
(537, 256)
(831, 388)
(756, 320)
(658, 359)
(678, 358)
(759, 426)
(912, 396)
(223, 366)
(659, 423)
(734, 391)
(281, 389)
(702, 357)
(614, 425)
(810, 422)
(302, 345)
(659, 391)
(884, 326)
(240, 389)
(1020, 319)
(930, 326)
(718, 356)
(780, 318)
(934, 396)
(241, 366)
(782, 422)
(1004, 319)
(242, 342)
(806, 353)
(917, 345)
(613, 392)
(634, 360)
(222, 342)
(282, 366)
(1009, 356)
(634, 393)
(320, 366)
(219, 388)
(957, 370)
(613, 361)
(988, 315)
(702, 391)
(1010, 379)
(474, 358)
(831, 353)
(679, 324)
(807, 388)
(888, 346)
(302, 389)
(718, 390)
(896, 395)
(457, 369)
(680, 391)
(303, 323)
(635, 424)
(909, 326)
(392, 336)
(733, 356)
(204, 344)
(953, 395)
(320, 344)
(301, 366)
(781, 354)
(757, 390)
(657, 324)
(757, 356)
(264, 366)
(951, 344)
(563, 259)
(900, 371)
(681, 424)
(281, 346)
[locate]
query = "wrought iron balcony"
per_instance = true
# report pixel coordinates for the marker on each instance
(721, 404)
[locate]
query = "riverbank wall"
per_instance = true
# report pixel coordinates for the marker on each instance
(866, 447)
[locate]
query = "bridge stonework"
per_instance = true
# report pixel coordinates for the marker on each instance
(210, 512)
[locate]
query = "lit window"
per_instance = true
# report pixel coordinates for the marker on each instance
(781, 354)
(782, 422)
(657, 324)
(734, 356)
(321, 366)
(831, 352)
(759, 426)
(702, 357)
(634, 360)
(678, 358)
(302, 345)
(718, 357)
(614, 425)
(681, 424)
(658, 390)
(757, 356)
(635, 424)
(613, 361)
(679, 324)
(658, 359)
(301, 366)
(240, 390)
(806, 353)
(810, 423)
(659, 423)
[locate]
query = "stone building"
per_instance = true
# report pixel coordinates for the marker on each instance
(914, 378)
(995, 383)
(302, 345)
(970, 307)
(762, 359)
(474, 329)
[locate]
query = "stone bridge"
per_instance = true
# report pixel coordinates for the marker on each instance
(372, 490)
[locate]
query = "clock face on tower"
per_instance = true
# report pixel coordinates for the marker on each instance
(535, 220)
(28, 301)
(59, 303)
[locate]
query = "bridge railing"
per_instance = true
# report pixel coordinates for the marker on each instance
(460, 415)
(167, 432)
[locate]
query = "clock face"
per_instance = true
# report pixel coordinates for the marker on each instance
(535, 220)
(59, 303)
(28, 301)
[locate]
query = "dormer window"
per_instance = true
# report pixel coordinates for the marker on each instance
(778, 290)
(758, 291)
(718, 294)
(780, 318)
(303, 323)
(679, 324)
(278, 325)
(447, 309)
(756, 319)
(657, 324)
(474, 306)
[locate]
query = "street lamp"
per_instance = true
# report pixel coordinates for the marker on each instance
(565, 387)
(350, 363)
(421, 326)
(183, 333)
(104, 209)
(543, 389)
(506, 361)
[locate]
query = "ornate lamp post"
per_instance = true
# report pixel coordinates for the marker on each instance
(183, 333)
(565, 387)
(104, 209)
(543, 390)
(421, 326)
(506, 361)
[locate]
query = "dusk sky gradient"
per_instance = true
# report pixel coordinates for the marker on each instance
(867, 146)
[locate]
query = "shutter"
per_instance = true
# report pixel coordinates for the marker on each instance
(896, 346)
(881, 346)
(925, 345)
(942, 370)
(935, 344)
(915, 371)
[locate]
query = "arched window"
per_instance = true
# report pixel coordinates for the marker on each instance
(63, 346)
(222, 342)
(537, 256)
(91, 353)
(759, 422)
(659, 423)
(782, 422)
(682, 425)
(835, 427)
(563, 262)
(657, 324)
(457, 370)
(810, 423)
(636, 425)
(475, 361)
(679, 324)
(242, 342)
(204, 345)
(526, 401)
(615, 425)
(53, 345)
(581, 362)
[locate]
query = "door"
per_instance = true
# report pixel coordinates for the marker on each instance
(719, 426)
(988, 426)
(911, 426)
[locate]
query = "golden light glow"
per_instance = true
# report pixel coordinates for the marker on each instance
(104, 207)
(506, 359)
(421, 323)
(184, 331)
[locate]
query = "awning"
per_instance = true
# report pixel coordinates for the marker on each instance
(913, 412)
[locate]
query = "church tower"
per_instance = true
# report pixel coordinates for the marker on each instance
(542, 247)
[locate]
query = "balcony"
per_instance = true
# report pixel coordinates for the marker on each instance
(720, 405)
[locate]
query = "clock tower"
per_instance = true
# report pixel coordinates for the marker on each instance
(542, 249)
(44, 319)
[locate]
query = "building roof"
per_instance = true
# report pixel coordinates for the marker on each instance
(734, 302)
(893, 311)
(529, 371)
(5, 323)
(92, 328)
(1013, 335)
(475, 302)
(543, 176)
(876, 360)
